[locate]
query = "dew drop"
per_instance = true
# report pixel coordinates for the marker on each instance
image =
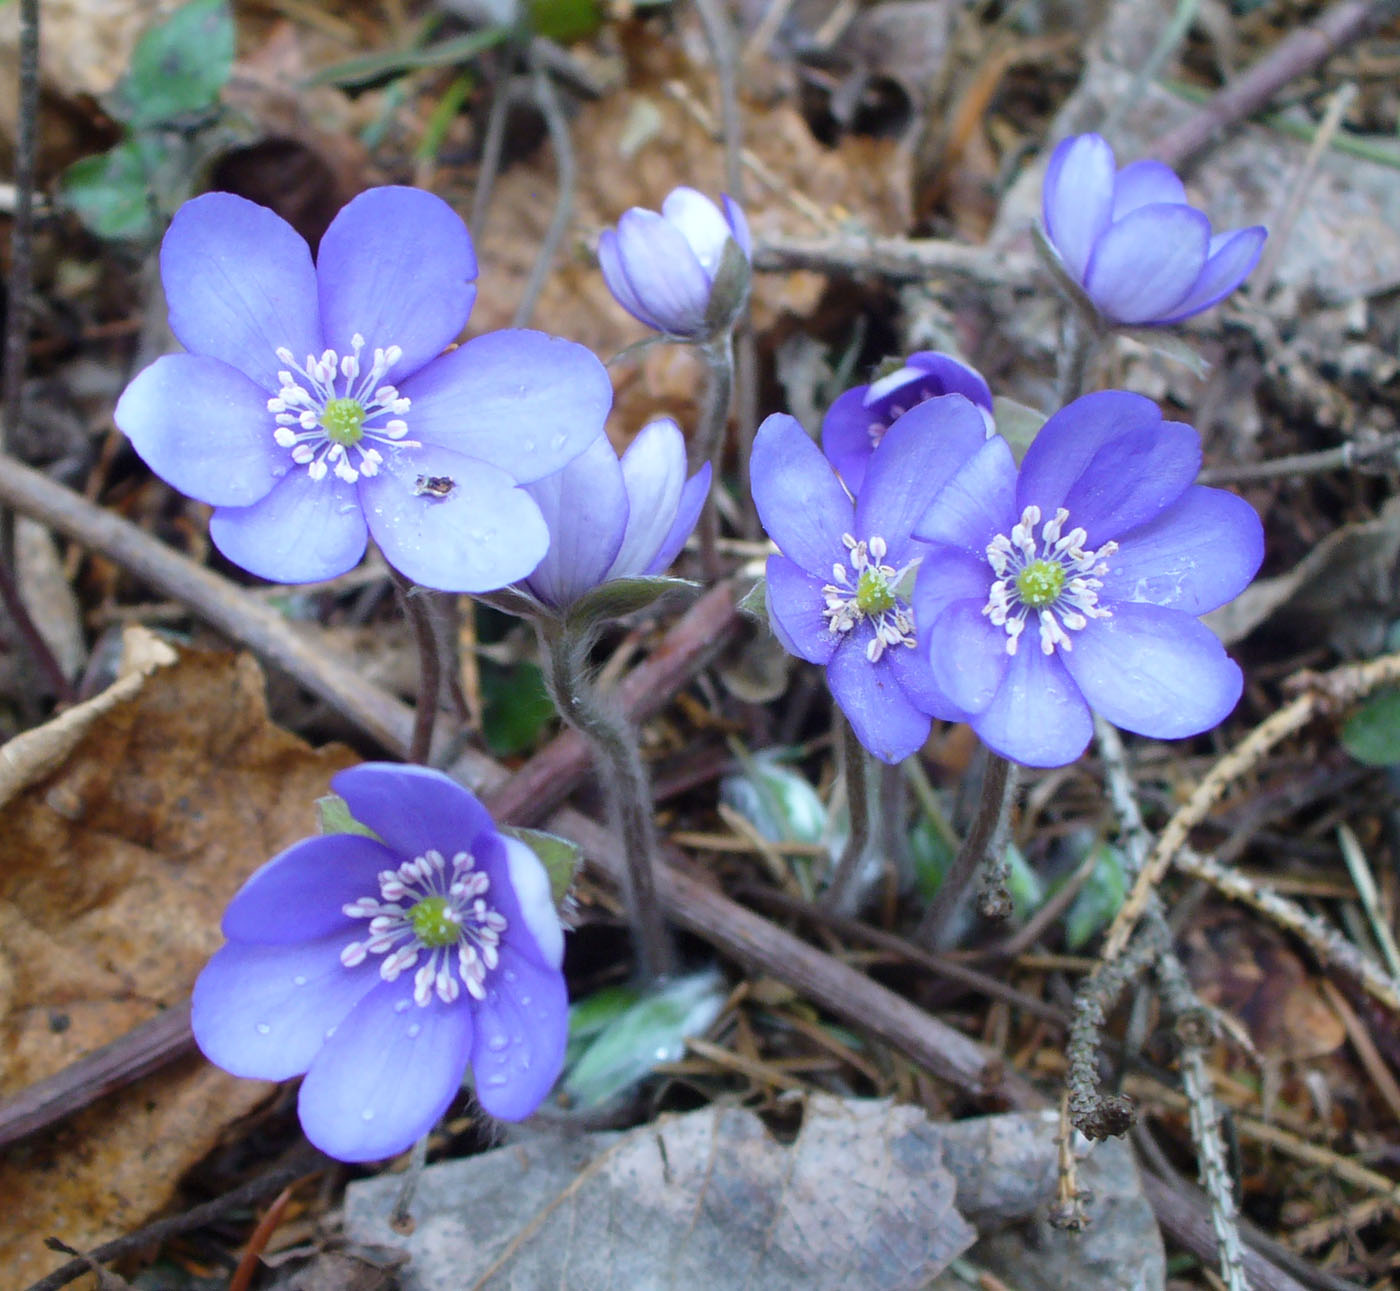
(402, 1006)
(367, 1114)
(496, 1081)
(557, 442)
(510, 974)
(528, 446)
(413, 1029)
(262, 1028)
(496, 1043)
(525, 1000)
(299, 980)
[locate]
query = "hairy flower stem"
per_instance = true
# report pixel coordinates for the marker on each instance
(707, 445)
(399, 1218)
(1077, 347)
(983, 846)
(843, 895)
(618, 760)
(420, 618)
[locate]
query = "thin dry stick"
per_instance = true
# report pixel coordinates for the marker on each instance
(843, 894)
(1346, 456)
(1283, 221)
(898, 259)
(1295, 55)
(265, 1185)
(1341, 686)
(1329, 945)
(566, 168)
(416, 611)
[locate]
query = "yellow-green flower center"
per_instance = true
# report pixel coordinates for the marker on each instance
(344, 421)
(433, 924)
(1040, 583)
(873, 594)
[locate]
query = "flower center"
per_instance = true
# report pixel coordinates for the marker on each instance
(430, 907)
(1053, 577)
(879, 593)
(339, 430)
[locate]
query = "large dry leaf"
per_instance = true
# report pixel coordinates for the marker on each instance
(709, 1199)
(129, 822)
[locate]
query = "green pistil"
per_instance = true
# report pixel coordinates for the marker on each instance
(344, 421)
(432, 925)
(1040, 583)
(873, 595)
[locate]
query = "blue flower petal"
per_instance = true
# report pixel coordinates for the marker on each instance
(519, 400)
(1154, 671)
(882, 716)
(966, 654)
(692, 501)
(1037, 717)
(203, 427)
(1111, 461)
(585, 509)
(264, 1011)
(700, 223)
(653, 471)
(846, 436)
(919, 454)
(521, 1030)
(239, 283)
(1232, 259)
(610, 262)
(1146, 183)
(976, 504)
(948, 574)
(1196, 555)
(303, 531)
(1147, 262)
(299, 894)
(911, 670)
(1077, 198)
(386, 1075)
(484, 533)
(663, 272)
(396, 266)
(800, 502)
(413, 809)
(797, 611)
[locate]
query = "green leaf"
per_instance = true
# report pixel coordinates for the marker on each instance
(932, 854)
(1017, 423)
(1372, 734)
(560, 857)
(445, 53)
(178, 67)
(642, 1034)
(564, 20)
(755, 602)
(112, 193)
(516, 707)
(777, 801)
(619, 597)
(1099, 899)
(333, 815)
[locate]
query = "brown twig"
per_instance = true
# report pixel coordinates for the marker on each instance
(898, 259)
(1295, 55)
(420, 619)
(242, 1277)
(265, 1185)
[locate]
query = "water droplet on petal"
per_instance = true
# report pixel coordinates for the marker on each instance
(413, 1029)
(299, 980)
(496, 1081)
(497, 1042)
(367, 1114)
(402, 1006)
(557, 442)
(525, 1000)
(510, 974)
(528, 446)
(262, 1028)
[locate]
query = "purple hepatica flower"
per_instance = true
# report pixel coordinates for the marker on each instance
(857, 421)
(315, 404)
(662, 268)
(616, 519)
(1142, 253)
(380, 969)
(1076, 584)
(839, 594)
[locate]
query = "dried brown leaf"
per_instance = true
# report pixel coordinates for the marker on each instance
(129, 822)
